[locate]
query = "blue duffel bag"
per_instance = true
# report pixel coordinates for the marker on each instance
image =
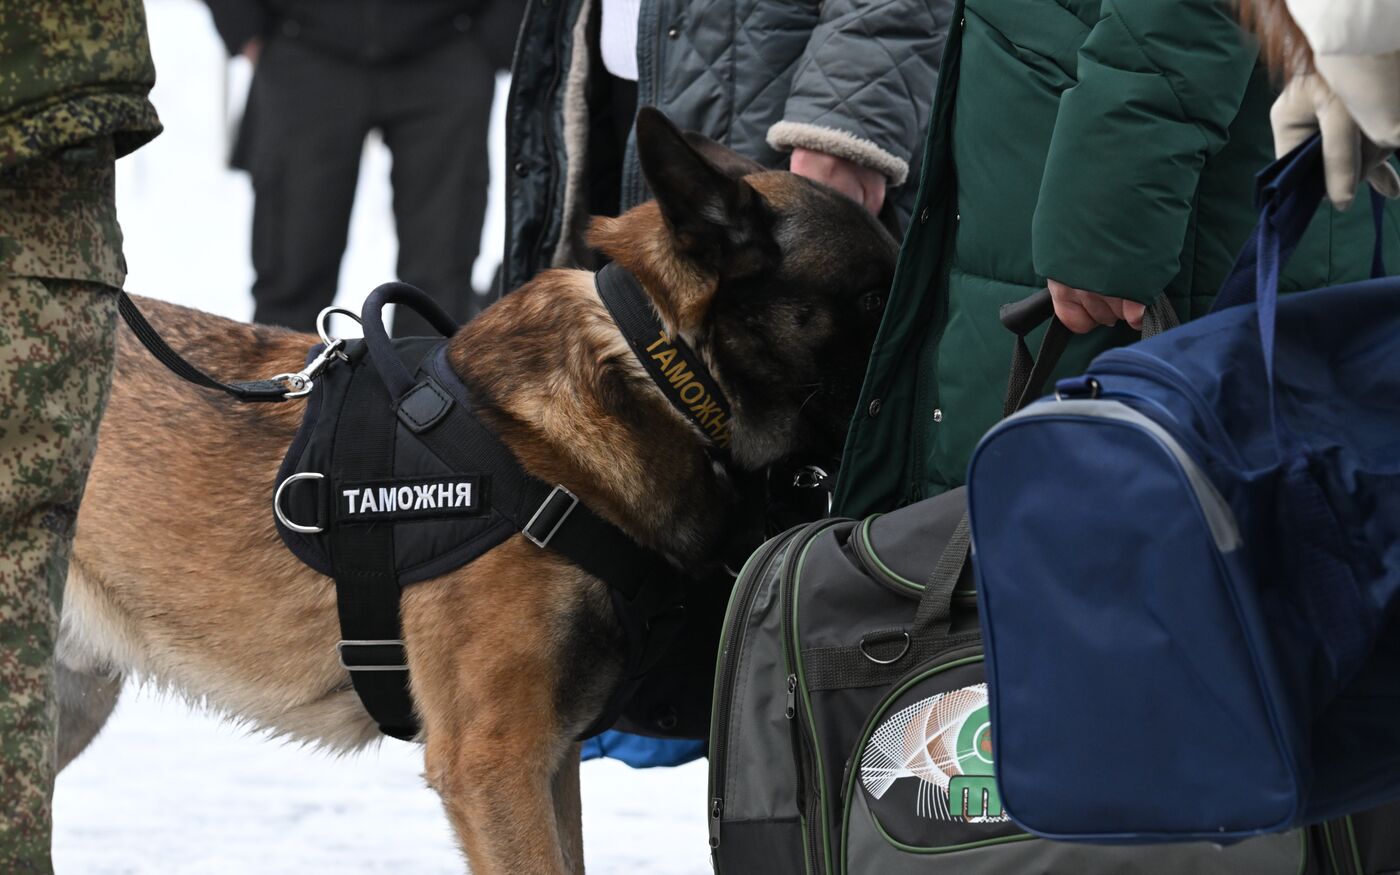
(1189, 564)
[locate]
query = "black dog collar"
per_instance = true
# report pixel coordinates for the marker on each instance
(672, 364)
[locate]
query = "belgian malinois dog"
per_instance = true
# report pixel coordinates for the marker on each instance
(179, 577)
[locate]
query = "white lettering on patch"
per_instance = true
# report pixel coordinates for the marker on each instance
(447, 496)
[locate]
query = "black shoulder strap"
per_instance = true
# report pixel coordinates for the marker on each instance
(548, 515)
(675, 368)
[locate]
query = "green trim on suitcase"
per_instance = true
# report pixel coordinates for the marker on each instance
(1355, 848)
(865, 547)
(799, 670)
(863, 533)
(851, 779)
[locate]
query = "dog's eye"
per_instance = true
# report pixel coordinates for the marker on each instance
(871, 302)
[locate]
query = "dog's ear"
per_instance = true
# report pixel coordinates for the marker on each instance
(719, 221)
(724, 159)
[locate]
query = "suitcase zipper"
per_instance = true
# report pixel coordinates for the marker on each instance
(1127, 361)
(1340, 839)
(746, 586)
(810, 788)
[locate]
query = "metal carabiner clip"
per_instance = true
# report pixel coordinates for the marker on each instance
(302, 382)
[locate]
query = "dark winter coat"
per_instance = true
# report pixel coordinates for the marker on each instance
(1108, 144)
(369, 31)
(854, 78)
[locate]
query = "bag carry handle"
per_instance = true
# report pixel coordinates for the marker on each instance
(1029, 375)
(381, 349)
(1027, 381)
(1287, 193)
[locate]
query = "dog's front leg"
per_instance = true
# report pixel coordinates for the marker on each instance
(568, 809)
(499, 795)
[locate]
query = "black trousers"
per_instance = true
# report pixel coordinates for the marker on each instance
(308, 115)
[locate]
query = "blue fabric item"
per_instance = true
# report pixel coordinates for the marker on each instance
(1189, 564)
(642, 752)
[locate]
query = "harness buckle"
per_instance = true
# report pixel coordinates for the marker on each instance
(550, 514)
(372, 642)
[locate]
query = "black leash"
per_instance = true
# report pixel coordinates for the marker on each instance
(275, 389)
(675, 368)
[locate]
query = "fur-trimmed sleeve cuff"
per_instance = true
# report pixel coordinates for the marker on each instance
(786, 136)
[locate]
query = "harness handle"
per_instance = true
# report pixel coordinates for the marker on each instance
(381, 350)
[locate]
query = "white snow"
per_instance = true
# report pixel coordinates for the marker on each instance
(165, 789)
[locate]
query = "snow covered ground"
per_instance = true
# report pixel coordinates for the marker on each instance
(166, 789)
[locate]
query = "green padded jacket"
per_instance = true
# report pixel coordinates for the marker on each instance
(1108, 144)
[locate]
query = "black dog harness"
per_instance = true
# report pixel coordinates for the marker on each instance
(391, 480)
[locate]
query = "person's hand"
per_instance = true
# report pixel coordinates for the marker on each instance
(1083, 311)
(861, 184)
(251, 49)
(1306, 106)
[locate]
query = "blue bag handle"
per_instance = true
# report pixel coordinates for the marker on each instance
(1287, 194)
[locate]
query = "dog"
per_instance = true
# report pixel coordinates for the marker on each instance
(179, 578)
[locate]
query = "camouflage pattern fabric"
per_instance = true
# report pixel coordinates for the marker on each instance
(71, 70)
(60, 266)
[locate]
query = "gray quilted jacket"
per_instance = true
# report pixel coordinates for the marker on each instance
(853, 78)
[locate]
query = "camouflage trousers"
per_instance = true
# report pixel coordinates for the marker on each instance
(60, 266)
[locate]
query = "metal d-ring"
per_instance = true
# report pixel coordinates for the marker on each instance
(893, 659)
(323, 326)
(809, 477)
(277, 503)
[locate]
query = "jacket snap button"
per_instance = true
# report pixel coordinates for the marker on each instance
(937, 415)
(673, 32)
(291, 28)
(875, 408)
(923, 215)
(519, 168)
(463, 23)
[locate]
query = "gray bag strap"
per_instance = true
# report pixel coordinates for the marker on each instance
(1160, 316)
(935, 605)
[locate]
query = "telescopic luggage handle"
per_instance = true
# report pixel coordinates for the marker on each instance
(381, 349)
